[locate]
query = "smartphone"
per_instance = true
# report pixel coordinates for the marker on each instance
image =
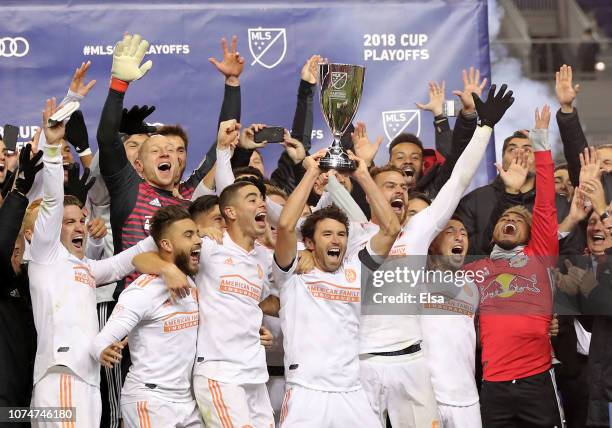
(11, 133)
(451, 108)
(271, 134)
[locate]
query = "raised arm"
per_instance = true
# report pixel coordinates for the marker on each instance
(120, 265)
(286, 240)
(436, 106)
(46, 244)
(544, 228)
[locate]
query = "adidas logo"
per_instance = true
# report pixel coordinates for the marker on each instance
(229, 261)
(155, 203)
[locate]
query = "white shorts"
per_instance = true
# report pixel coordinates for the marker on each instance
(400, 386)
(152, 412)
(225, 405)
(60, 387)
(307, 408)
(460, 416)
(276, 391)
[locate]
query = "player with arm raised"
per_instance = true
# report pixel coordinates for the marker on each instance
(320, 309)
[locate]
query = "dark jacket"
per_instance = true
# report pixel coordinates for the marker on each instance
(478, 207)
(574, 143)
(17, 331)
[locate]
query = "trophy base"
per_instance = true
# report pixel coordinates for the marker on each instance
(339, 162)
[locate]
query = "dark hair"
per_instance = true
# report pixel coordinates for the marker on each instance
(374, 171)
(164, 218)
(332, 211)
(405, 137)
(414, 194)
(247, 170)
(174, 130)
(203, 204)
(561, 166)
(72, 200)
(227, 195)
(517, 134)
(271, 189)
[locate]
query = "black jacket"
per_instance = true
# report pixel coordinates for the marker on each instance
(478, 207)
(17, 332)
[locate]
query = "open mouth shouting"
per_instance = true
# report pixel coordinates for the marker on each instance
(194, 256)
(509, 229)
(260, 219)
(397, 205)
(164, 166)
(2, 167)
(77, 241)
(598, 237)
(457, 249)
(409, 170)
(334, 252)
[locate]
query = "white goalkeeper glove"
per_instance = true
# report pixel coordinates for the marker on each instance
(127, 56)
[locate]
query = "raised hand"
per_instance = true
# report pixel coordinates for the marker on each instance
(365, 149)
(133, 120)
(579, 210)
(310, 71)
(471, 84)
(590, 165)
(493, 109)
(515, 176)
(28, 168)
(312, 161)
(436, 99)
(542, 119)
(127, 56)
(232, 64)
(96, 228)
(77, 84)
(565, 89)
(247, 139)
(294, 148)
(305, 261)
(76, 186)
(53, 134)
(593, 190)
(362, 166)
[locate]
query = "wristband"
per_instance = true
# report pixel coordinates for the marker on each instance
(85, 152)
(118, 85)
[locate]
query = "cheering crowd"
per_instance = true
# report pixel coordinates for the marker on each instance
(234, 298)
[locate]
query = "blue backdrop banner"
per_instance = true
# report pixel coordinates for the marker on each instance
(403, 45)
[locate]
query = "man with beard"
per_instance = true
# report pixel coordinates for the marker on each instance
(516, 305)
(320, 309)
(157, 389)
(563, 184)
(394, 371)
(449, 336)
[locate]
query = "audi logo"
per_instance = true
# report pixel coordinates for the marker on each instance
(14, 47)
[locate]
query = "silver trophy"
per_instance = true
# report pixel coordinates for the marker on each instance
(341, 89)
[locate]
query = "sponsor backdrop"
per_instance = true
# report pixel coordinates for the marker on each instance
(402, 45)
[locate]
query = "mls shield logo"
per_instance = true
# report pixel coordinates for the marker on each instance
(338, 79)
(398, 121)
(268, 46)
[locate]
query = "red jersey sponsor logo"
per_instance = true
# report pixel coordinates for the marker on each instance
(506, 285)
(82, 275)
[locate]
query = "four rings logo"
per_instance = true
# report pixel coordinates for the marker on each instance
(397, 121)
(339, 79)
(14, 47)
(268, 46)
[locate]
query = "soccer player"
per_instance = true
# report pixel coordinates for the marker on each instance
(516, 305)
(320, 309)
(62, 285)
(394, 372)
(162, 332)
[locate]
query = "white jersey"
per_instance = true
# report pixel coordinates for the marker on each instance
(156, 325)
(384, 333)
(63, 287)
(231, 282)
(449, 340)
(320, 321)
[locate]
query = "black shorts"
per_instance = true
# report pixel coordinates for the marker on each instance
(531, 402)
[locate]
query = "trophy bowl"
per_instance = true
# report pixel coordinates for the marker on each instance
(340, 93)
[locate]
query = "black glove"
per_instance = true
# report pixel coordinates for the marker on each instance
(76, 132)
(76, 186)
(491, 111)
(27, 169)
(132, 121)
(9, 179)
